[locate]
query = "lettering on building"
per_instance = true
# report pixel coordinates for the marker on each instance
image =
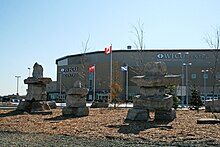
(181, 56)
(70, 71)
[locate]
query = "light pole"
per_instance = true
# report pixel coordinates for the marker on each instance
(182, 77)
(205, 76)
(17, 83)
(29, 69)
(127, 84)
(61, 72)
(182, 57)
(187, 83)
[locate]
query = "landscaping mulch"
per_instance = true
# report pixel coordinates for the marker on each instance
(105, 127)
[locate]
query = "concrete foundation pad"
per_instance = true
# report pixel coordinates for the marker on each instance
(208, 121)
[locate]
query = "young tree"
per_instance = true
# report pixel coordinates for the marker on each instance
(84, 64)
(140, 46)
(172, 91)
(116, 90)
(139, 34)
(195, 101)
(213, 43)
(116, 86)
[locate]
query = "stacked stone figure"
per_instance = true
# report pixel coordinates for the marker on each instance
(36, 97)
(212, 106)
(152, 94)
(76, 101)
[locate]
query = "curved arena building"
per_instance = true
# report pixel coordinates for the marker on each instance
(195, 65)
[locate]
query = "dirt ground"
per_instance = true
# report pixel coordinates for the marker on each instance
(110, 123)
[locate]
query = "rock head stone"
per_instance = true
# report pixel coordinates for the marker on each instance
(38, 71)
(76, 101)
(35, 100)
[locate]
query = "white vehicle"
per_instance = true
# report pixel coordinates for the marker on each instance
(15, 101)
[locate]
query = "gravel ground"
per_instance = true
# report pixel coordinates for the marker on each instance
(14, 139)
(105, 127)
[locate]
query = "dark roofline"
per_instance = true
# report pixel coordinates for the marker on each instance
(131, 50)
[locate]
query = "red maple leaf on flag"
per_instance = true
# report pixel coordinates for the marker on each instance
(91, 68)
(108, 50)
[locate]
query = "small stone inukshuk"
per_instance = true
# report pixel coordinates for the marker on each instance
(76, 101)
(35, 100)
(152, 94)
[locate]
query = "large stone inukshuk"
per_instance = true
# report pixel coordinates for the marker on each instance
(152, 94)
(36, 97)
(76, 101)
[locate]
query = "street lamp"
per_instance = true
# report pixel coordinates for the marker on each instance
(17, 83)
(61, 72)
(182, 57)
(187, 83)
(29, 69)
(205, 76)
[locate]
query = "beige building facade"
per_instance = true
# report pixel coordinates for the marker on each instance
(195, 65)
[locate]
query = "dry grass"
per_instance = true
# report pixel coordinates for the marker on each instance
(109, 123)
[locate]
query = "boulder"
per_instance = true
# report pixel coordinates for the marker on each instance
(99, 105)
(137, 114)
(165, 115)
(153, 103)
(52, 104)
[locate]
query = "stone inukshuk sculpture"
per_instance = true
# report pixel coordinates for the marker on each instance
(152, 94)
(76, 101)
(36, 97)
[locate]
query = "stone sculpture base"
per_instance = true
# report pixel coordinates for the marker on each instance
(75, 111)
(36, 107)
(99, 105)
(137, 114)
(165, 115)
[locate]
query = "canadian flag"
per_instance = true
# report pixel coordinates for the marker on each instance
(91, 68)
(108, 50)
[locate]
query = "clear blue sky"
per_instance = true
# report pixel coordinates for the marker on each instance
(45, 30)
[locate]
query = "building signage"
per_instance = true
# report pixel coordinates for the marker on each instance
(70, 71)
(181, 56)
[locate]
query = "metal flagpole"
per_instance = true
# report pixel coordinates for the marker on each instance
(111, 72)
(94, 83)
(127, 83)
